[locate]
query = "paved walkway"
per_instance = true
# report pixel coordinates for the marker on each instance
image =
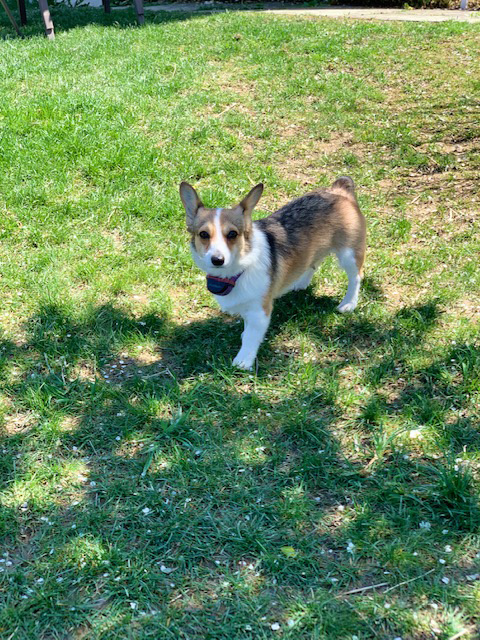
(362, 13)
(367, 13)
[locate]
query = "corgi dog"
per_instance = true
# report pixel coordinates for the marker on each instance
(251, 263)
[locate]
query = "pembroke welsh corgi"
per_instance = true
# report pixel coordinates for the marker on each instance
(250, 263)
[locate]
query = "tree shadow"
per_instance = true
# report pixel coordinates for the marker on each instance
(121, 463)
(65, 19)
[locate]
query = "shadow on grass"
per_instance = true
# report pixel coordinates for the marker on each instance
(130, 448)
(65, 19)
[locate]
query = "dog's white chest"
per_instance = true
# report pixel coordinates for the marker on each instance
(252, 286)
(250, 289)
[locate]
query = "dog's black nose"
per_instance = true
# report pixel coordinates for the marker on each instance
(217, 261)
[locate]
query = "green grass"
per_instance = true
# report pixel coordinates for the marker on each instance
(148, 490)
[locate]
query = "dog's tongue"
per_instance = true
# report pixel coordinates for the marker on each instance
(221, 286)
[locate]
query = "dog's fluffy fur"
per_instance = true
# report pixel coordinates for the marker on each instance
(276, 254)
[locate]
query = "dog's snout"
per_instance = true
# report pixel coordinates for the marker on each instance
(217, 261)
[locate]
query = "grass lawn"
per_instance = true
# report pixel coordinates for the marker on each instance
(148, 490)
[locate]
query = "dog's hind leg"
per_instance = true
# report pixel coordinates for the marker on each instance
(304, 280)
(348, 262)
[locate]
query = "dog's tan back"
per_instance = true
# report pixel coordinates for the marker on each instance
(309, 228)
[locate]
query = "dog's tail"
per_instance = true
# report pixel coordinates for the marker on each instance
(345, 184)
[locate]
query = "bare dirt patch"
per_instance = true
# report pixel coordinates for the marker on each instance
(70, 423)
(85, 371)
(466, 308)
(115, 237)
(19, 422)
(305, 163)
(230, 81)
(145, 365)
(458, 183)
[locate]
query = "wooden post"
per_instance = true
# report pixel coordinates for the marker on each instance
(23, 12)
(47, 20)
(139, 11)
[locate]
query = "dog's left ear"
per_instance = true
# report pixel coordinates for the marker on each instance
(249, 203)
(191, 202)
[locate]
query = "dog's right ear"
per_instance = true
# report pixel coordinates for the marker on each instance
(191, 202)
(250, 201)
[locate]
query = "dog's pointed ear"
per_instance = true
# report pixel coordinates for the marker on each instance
(191, 202)
(249, 203)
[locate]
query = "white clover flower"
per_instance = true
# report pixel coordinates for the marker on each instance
(165, 569)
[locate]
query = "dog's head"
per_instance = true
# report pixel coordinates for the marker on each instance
(219, 236)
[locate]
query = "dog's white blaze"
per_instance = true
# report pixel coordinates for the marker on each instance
(346, 258)
(218, 247)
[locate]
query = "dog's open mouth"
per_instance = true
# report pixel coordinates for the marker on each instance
(221, 286)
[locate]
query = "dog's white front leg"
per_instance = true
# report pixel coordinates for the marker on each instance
(256, 325)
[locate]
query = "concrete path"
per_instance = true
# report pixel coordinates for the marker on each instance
(367, 13)
(361, 13)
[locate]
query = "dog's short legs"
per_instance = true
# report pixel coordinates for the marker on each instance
(304, 280)
(256, 325)
(346, 258)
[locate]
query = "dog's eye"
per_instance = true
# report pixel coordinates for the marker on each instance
(231, 235)
(204, 235)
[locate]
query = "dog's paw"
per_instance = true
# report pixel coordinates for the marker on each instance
(346, 307)
(243, 363)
